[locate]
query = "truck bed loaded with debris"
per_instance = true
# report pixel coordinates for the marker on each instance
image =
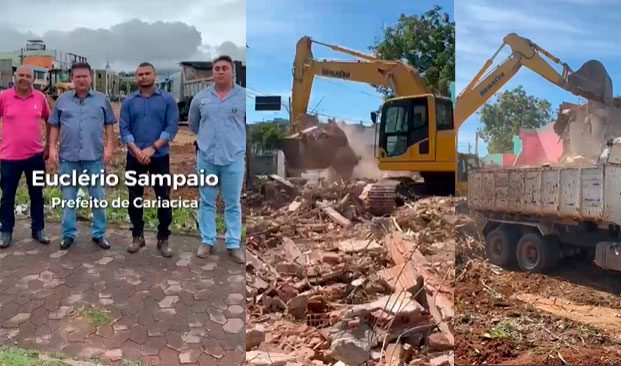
(535, 217)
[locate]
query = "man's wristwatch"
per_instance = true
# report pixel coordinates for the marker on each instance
(154, 146)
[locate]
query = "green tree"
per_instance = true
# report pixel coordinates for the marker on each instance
(265, 136)
(512, 110)
(427, 42)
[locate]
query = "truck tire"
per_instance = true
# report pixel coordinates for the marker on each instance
(500, 247)
(535, 254)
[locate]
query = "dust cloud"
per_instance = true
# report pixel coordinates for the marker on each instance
(362, 143)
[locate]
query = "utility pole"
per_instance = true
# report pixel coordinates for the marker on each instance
(476, 143)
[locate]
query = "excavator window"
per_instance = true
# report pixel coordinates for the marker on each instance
(444, 114)
(404, 122)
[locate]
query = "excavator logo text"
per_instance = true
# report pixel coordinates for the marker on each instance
(337, 74)
(489, 86)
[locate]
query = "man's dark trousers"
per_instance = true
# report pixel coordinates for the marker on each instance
(10, 173)
(158, 165)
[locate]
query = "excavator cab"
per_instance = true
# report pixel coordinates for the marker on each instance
(465, 162)
(416, 134)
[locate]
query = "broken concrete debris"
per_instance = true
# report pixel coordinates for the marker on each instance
(330, 284)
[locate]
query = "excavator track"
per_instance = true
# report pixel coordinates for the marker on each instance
(383, 197)
(387, 195)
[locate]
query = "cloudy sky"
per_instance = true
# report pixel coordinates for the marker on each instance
(575, 31)
(163, 32)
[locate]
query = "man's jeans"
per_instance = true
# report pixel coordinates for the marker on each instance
(10, 174)
(230, 181)
(98, 225)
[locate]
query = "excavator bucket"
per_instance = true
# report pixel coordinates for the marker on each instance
(592, 82)
(318, 147)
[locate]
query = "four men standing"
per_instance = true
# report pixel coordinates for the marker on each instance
(148, 123)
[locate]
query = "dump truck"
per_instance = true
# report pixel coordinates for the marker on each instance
(193, 77)
(534, 217)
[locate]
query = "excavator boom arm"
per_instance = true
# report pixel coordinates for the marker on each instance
(401, 78)
(524, 53)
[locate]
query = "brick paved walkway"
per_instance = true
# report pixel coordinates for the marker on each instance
(163, 311)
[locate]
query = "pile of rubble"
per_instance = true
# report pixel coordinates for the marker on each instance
(329, 284)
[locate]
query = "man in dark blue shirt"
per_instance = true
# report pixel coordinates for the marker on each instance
(148, 123)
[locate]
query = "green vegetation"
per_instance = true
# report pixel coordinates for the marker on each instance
(512, 110)
(505, 330)
(96, 317)
(16, 356)
(427, 42)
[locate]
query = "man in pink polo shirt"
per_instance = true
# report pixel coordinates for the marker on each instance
(23, 110)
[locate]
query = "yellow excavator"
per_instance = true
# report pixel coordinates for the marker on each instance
(59, 82)
(591, 81)
(311, 146)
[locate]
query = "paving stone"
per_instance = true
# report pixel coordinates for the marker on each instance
(15, 321)
(193, 336)
(203, 294)
(233, 326)
(60, 313)
(234, 311)
(105, 260)
(236, 279)
(169, 356)
(46, 276)
(114, 354)
(162, 313)
(54, 283)
(169, 301)
(209, 266)
(183, 263)
(58, 254)
(214, 350)
(233, 299)
(189, 356)
(132, 350)
(205, 284)
(217, 316)
(74, 299)
(172, 290)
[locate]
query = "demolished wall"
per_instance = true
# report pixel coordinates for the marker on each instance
(586, 128)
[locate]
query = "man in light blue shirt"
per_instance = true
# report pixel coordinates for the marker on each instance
(218, 117)
(81, 117)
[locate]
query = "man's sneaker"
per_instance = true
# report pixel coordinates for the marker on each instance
(238, 255)
(7, 238)
(137, 243)
(164, 248)
(204, 251)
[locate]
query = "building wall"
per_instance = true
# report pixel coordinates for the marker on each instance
(40, 61)
(6, 73)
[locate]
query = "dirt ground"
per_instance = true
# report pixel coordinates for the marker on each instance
(570, 316)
